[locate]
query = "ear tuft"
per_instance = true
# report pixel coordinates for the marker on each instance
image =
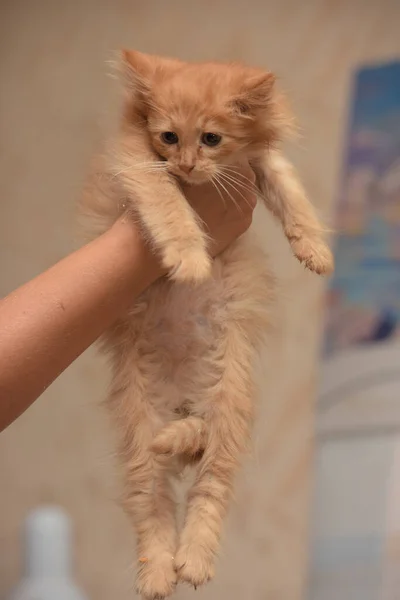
(256, 94)
(136, 71)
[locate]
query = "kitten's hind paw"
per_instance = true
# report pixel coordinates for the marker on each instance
(194, 565)
(314, 254)
(156, 578)
(192, 265)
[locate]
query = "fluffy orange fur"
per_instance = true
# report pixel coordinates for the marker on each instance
(183, 356)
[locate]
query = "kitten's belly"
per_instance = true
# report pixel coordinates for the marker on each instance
(178, 329)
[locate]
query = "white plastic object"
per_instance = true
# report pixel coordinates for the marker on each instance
(48, 558)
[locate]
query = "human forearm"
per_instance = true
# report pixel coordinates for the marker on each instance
(51, 320)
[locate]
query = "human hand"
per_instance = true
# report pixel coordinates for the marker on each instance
(228, 213)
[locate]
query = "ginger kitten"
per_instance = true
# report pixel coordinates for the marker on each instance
(183, 356)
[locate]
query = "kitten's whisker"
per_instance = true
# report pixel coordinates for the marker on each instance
(214, 182)
(234, 179)
(241, 185)
(227, 192)
(237, 190)
(156, 166)
(232, 170)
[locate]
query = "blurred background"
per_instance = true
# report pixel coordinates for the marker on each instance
(316, 506)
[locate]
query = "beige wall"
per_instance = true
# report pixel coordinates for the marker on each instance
(55, 103)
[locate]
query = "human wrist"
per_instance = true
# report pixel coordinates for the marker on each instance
(145, 264)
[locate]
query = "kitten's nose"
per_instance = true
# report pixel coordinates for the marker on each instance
(186, 168)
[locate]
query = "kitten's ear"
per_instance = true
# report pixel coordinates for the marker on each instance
(255, 95)
(136, 71)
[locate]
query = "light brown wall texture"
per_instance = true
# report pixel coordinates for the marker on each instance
(56, 102)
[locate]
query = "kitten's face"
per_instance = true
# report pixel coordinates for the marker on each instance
(193, 146)
(201, 117)
(194, 141)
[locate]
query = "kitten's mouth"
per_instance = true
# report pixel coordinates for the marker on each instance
(193, 178)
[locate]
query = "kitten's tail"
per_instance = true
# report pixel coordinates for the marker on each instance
(186, 436)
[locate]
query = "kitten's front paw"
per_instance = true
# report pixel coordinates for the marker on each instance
(156, 578)
(314, 254)
(192, 265)
(194, 564)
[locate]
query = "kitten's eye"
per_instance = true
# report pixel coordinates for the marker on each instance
(211, 139)
(169, 137)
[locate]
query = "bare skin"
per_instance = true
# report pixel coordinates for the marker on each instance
(48, 322)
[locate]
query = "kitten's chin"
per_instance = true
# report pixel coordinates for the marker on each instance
(196, 180)
(193, 178)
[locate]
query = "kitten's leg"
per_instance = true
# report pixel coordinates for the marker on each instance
(285, 196)
(147, 495)
(228, 418)
(170, 222)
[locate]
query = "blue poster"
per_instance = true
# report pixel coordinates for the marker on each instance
(363, 304)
